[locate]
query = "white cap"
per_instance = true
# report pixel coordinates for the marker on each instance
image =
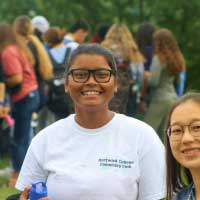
(40, 23)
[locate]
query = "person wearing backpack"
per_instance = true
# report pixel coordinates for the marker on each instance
(59, 102)
(76, 34)
(130, 69)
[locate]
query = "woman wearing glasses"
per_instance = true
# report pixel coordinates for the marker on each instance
(95, 153)
(183, 149)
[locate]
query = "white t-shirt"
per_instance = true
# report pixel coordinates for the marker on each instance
(123, 160)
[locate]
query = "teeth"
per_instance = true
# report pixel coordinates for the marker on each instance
(191, 151)
(91, 93)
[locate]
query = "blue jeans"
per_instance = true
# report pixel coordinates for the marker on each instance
(22, 113)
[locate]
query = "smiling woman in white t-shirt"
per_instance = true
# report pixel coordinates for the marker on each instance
(95, 153)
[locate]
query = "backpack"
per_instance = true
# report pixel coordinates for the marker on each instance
(59, 101)
(120, 100)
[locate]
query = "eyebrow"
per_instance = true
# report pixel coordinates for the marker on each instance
(81, 68)
(179, 123)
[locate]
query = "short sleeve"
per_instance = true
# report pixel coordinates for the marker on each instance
(11, 63)
(32, 169)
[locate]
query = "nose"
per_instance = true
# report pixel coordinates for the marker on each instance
(187, 137)
(91, 79)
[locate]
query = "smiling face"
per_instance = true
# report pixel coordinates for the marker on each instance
(91, 95)
(186, 150)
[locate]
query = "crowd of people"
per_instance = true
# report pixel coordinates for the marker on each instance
(102, 109)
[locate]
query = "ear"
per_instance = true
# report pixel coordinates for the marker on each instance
(116, 86)
(66, 85)
(115, 90)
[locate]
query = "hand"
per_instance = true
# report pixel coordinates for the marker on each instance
(6, 110)
(24, 194)
(147, 74)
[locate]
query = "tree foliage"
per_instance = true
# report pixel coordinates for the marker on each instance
(180, 16)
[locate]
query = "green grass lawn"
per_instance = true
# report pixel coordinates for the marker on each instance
(5, 191)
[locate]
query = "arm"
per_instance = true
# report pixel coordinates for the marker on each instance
(12, 68)
(2, 97)
(14, 80)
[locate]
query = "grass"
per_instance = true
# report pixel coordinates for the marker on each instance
(4, 162)
(5, 191)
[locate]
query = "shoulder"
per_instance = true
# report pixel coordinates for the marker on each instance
(52, 133)
(156, 59)
(72, 45)
(10, 50)
(136, 128)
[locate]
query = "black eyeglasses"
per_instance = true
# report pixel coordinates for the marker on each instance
(83, 75)
(176, 131)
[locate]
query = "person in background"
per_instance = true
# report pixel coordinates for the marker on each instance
(43, 66)
(59, 102)
(99, 36)
(20, 79)
(168, 62)
(183, 148)
(40, 25)
(76, 34)
(75, 155)
(130, 69)
(4, 110)
(144, 41)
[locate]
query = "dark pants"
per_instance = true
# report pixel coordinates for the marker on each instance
(22, 113)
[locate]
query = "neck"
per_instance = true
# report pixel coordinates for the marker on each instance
(60, 45)
(93, 120)
(70, 35)
(196, 179)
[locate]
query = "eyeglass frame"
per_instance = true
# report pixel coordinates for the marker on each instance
(183, 129)
(91, 71)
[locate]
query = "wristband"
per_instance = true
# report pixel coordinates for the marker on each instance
(2, 103)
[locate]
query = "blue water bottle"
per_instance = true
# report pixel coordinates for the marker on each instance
(38, 190)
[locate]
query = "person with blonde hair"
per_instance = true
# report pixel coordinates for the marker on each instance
(130, 66)
(24, 27)
(168, 62)
(43, 67)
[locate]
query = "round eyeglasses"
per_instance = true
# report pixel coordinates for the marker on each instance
(83, 75)
(176, 131)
